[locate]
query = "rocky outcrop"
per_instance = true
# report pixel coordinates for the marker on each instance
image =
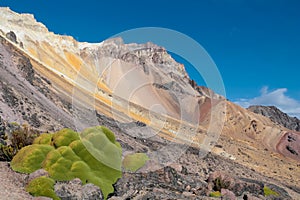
(11, 36)
(2, 126)
(75, 190)
(290, 145)
(277, 116)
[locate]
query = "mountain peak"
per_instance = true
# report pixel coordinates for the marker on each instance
(19, 22)
(36, 39)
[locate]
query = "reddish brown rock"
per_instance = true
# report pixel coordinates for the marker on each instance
(289, 145)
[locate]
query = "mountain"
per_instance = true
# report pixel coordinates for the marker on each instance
(141, 93)
(277, 116)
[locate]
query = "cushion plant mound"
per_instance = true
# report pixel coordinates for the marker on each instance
(64, 137)
(94, 158)
(42, 186)
(58, 163)
(216, 194)
(101, 143)
(110, 135)
(30, 158)
(269, 192)
(133, 162)
(44, 138)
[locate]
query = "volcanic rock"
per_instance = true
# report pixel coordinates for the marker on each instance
(277, 116)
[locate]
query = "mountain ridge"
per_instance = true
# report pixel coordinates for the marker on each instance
(164, 70)
(247, 138)
(277, 116)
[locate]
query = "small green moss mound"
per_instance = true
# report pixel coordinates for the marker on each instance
(94, 157)
(269, 192)
(133, 162)
(216, 194)
(42, 186)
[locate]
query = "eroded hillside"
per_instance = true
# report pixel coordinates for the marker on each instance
(138, 90)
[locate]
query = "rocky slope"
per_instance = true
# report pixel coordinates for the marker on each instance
(26, 96)
(147, 99)
(277, 116)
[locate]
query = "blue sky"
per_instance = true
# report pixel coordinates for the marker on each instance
(254, 43)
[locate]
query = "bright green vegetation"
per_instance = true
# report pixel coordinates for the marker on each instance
(215, 194)
(42, 186)
(43, 139)
(30, 158)
(269, 192)
(103, 147)
(94, 156)
(133, 162)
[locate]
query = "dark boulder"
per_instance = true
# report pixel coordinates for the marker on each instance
(12, 37)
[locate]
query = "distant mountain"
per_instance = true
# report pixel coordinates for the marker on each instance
(277, 116)
(140, 92)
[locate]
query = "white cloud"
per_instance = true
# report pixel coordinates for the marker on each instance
(276, 98)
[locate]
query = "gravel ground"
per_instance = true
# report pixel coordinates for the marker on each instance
(12, 184)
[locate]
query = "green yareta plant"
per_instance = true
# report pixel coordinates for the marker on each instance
(42, 186)
(94, 156)
(134, 162)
